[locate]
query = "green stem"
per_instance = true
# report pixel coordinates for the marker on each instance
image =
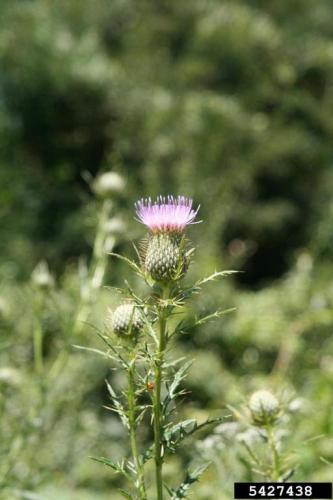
(140, 483)
(38, 346)
(97, 268)
(99, 256)
(158, 419)
(275, 474)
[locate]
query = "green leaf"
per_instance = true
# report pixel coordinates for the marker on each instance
(190, 478)
(125, 494)
(133, 265)
(325, 461)
(108, 462)
(148, 454)
(150, 328)
(214, 276)
(169, 364)
(217, 314)
(118, 467)
(118, 407)
(176, 380)
(185, 326)
(287, 475)
(93, 350)
(174, 434)
(195, 289)
(117, 355)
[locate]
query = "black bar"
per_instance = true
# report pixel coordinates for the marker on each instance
(301, 491)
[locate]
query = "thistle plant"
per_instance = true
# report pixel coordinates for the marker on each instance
(139, 336)
(266, 419)
(43, 282)
(107, 187)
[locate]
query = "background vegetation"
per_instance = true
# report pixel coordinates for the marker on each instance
(228, 102)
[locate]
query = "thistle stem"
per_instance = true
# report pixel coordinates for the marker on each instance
(38, 333)
(38, 347)
(275, 474)
(158, 417)
(140, 483)
(93, 280)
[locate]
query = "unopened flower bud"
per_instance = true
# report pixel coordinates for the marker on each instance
(41, 276)
(127, 320)
(264, 407)
(165, 258)
(109, 183)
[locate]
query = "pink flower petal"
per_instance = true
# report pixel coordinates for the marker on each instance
(166, 214)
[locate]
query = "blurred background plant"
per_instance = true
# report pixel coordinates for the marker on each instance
(227, 102)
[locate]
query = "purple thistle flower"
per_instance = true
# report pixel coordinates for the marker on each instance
(166, 214)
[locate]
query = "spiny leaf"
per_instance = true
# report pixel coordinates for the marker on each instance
(325, 461)
(196, 287)
(133, 265)
(138, 254)
(217, 314)
(125, 494)
(128, 261)
(190, 478)
(174, 434)
(118, 356)
(108, 462)
(141, 415)
(148, 454)
(185, 326)
(287, 475)
(174, 362)
(150, 328)
(91, 349)
(177, 378)
(255, 459)
(118, 467)
(139, 302)
(214, 276)
(118, 406)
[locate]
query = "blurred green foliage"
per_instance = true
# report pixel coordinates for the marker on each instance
(228, 102)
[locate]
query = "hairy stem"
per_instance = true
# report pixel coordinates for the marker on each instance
(140, 482)
(158, 419)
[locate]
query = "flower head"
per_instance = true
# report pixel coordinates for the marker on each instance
(41, 276)
(264, 407)
(166, 214)
(109, 183)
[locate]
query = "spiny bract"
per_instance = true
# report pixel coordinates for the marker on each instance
(127, 320)
(165, 257)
